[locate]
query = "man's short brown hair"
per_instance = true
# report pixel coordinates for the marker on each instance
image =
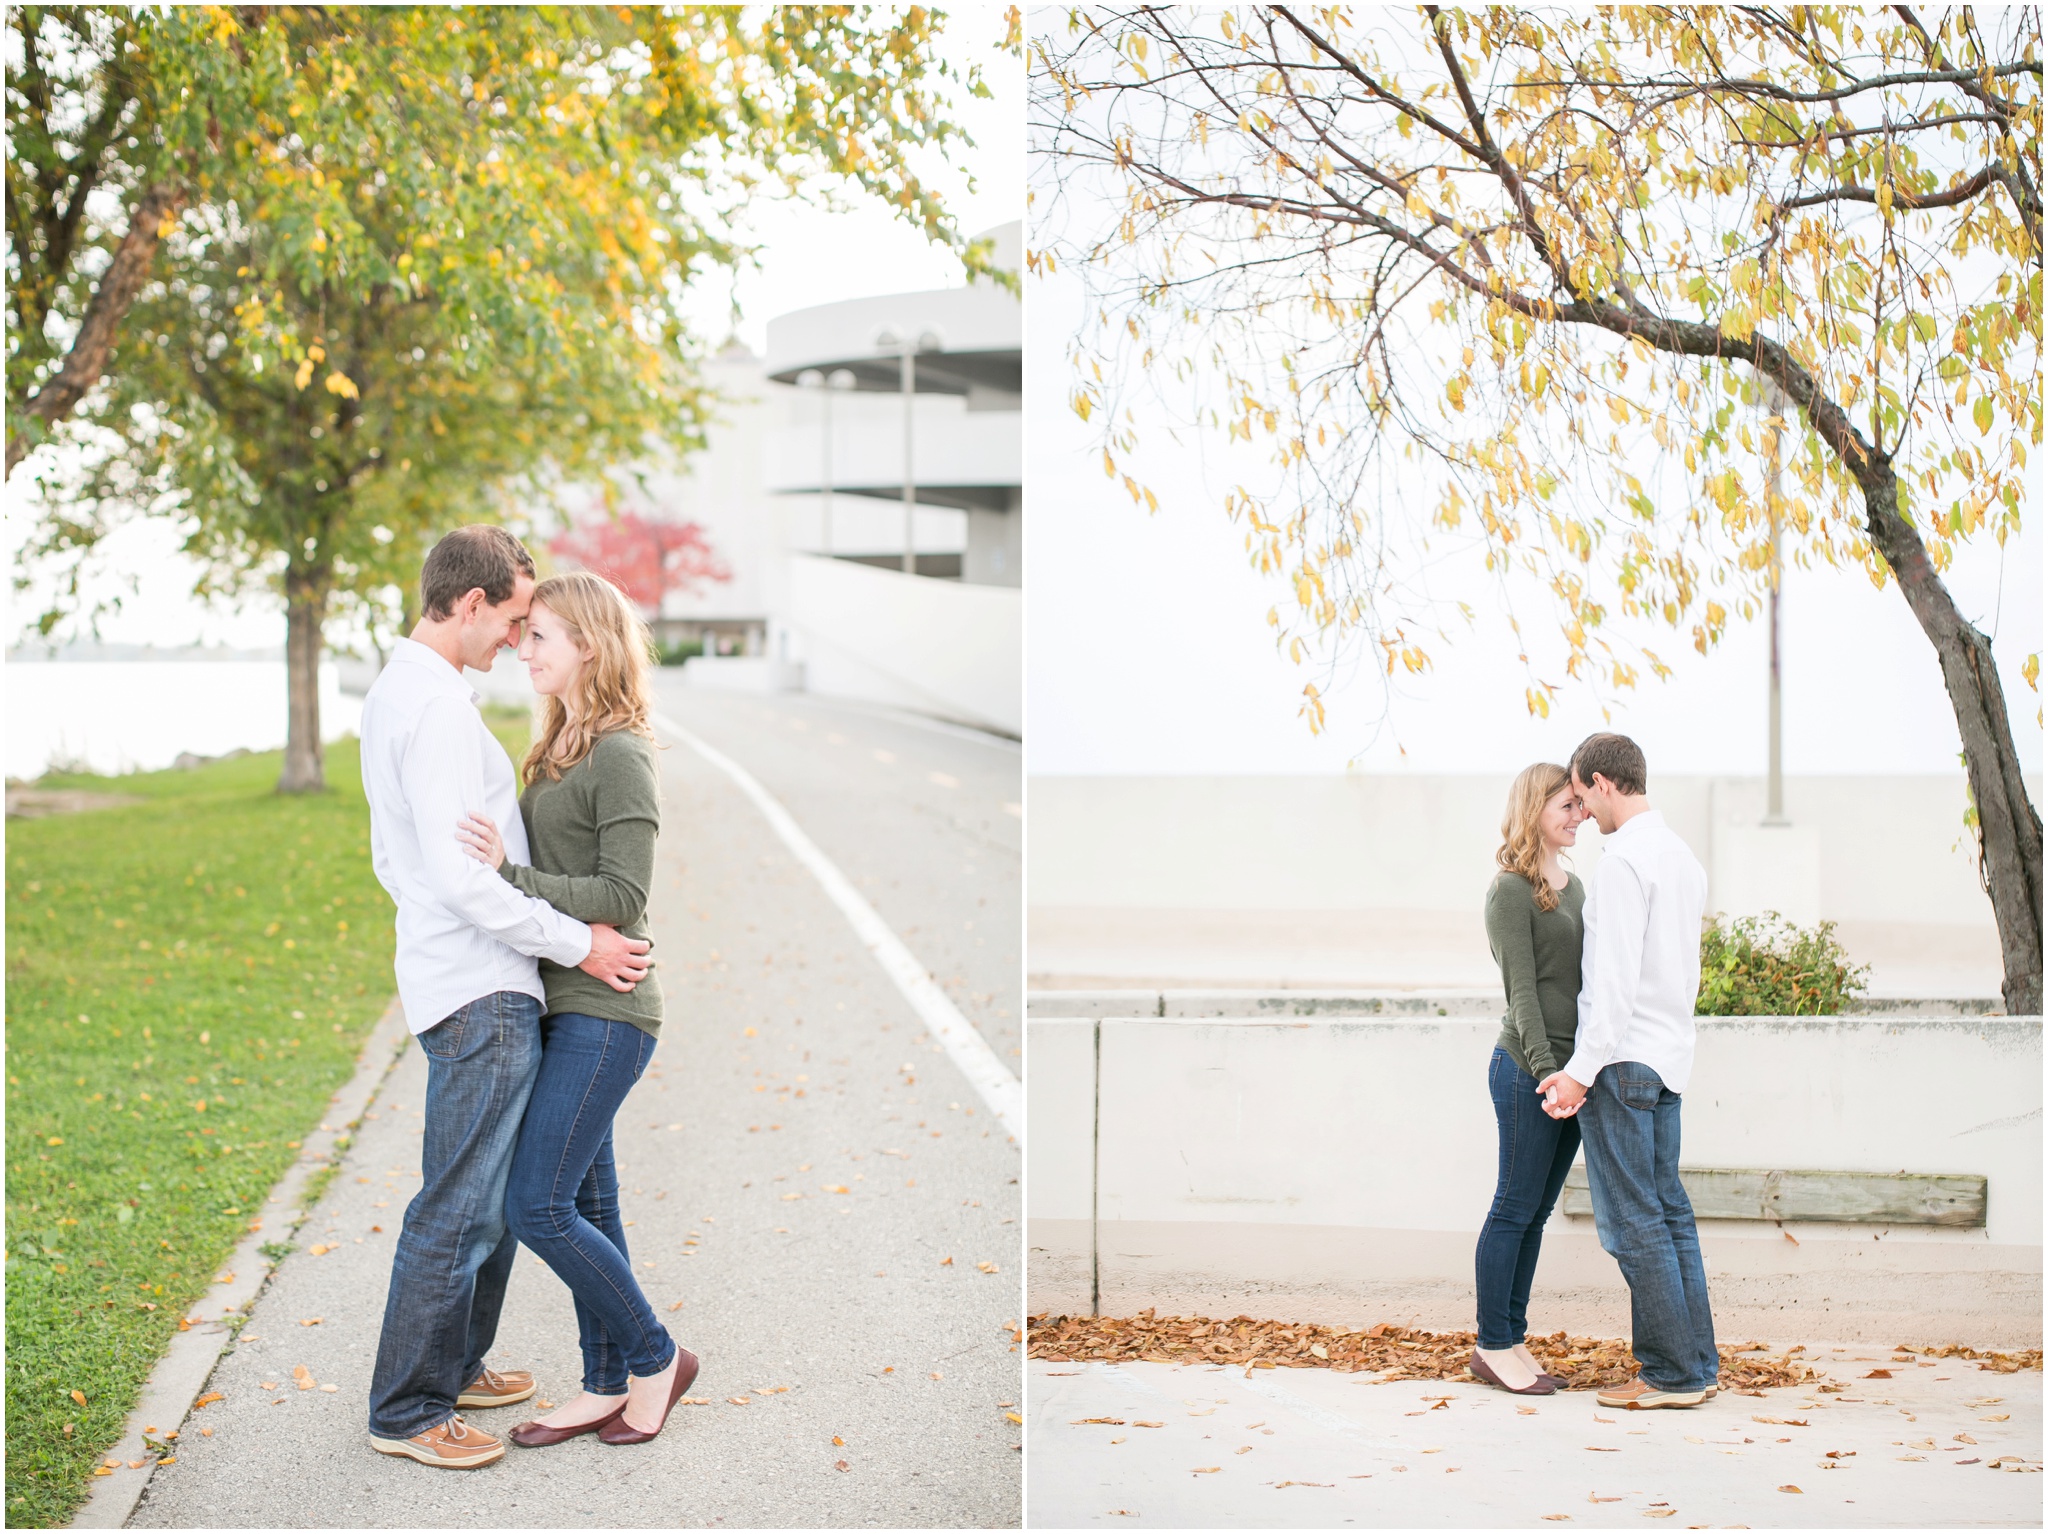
(479, 555)
(1616, 758)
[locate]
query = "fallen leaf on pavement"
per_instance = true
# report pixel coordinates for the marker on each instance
(1660, 1512)
(2001, 1417)
(838, 1442)
(208, 1399)
(312, 1321)
(1208, 1470)
(1783, 1421)
(1878, 1374)
(1792, 1489)
(330, 1388)
(739, 1400)
(988, 1267)
(1596, 1449)
(1525, 1411)
(1591, 1498)
(1134, 1424)
(1325, 1485)
(1557, 1517)
(1104, 1421)
(1964, 1438)
(1245, 1450)
(1394, 1352)
(841, 1465)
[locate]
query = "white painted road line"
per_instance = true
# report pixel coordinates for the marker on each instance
(1001, 1091)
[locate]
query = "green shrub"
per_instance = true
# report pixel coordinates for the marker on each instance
(682, 650)
(1765, 966)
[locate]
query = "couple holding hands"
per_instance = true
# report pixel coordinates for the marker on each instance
(1596, 1048)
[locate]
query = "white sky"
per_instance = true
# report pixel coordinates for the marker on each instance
(811, 257)
(1149, 651)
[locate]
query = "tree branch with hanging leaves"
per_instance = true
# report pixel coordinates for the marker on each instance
(1583, 275)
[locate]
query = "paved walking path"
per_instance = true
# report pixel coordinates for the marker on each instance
(799, 1164)
(1202, 1447)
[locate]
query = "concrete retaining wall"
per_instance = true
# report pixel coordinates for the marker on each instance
(1338, 1169)
(935, 647)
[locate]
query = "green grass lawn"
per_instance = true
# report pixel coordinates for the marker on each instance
(188, 981)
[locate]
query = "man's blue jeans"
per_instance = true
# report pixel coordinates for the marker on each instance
(1536, 1151)
(1630, 1125)
(563, 1198)
(455, 1254)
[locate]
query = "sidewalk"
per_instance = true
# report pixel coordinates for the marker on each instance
(792, 1205)
(1213, 1447)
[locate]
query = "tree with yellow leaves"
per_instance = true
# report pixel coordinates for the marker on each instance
(1592, 274)
(425, 259)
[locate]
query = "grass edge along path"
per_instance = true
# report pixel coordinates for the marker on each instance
(190, 979)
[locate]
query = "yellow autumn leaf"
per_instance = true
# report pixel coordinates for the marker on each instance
(340, 383)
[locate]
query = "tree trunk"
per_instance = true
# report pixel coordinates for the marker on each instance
(118, 285)
(2009, 827)
(305, 615)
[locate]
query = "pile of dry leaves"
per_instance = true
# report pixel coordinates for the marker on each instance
(1995, 1363)
(1394, 1352)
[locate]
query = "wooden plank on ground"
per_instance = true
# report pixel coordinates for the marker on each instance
(1869, 1198)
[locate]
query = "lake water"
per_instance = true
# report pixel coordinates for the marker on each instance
(127, 716)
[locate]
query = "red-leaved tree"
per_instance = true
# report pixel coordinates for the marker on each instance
(647, 559)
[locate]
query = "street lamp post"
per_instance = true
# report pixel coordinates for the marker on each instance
(907, 346)
(840, 379)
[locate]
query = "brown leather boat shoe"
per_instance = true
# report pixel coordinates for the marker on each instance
(685, 1376)
(454, 1445)
(538, 1435)
(1640, 1395)
(497, 1388)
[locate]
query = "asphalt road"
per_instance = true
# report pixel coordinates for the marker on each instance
(876, 1374)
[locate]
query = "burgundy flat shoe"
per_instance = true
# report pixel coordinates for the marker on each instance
(617, 1431)
(1542, 1387)
(536, 1435)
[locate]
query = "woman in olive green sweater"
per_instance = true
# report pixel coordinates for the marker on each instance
(1533, 920)
(592, 809)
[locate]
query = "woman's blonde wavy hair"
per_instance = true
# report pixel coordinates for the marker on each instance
(613, 688)
(1521, 834)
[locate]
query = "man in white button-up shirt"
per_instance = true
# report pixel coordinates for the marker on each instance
(1631, 1061)
(469, 980)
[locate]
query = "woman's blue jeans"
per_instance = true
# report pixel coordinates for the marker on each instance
(563, 1196)
(1536, 1151)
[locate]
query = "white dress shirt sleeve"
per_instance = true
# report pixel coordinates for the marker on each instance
(443, 782)
(1620, 908)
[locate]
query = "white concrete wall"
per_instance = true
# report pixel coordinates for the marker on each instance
(1891, 848)
(1378, 879)
(1340, 1170)
(937, 647)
